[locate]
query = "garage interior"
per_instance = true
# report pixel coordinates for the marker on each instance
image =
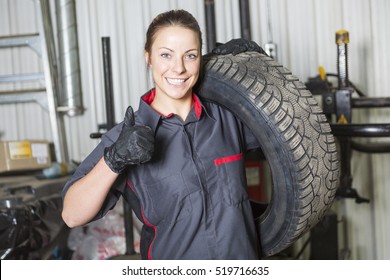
(69, 69)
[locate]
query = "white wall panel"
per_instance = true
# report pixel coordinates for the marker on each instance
(227, 20)
(304, 32)
(379, 85)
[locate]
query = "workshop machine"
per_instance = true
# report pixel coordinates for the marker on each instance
(338, 101)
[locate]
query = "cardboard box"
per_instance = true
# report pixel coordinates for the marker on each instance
(24, 155)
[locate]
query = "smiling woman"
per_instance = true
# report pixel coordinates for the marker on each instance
(178, 161)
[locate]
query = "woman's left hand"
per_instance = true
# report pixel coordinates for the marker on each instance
(236, 46)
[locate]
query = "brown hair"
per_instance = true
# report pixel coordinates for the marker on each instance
(171, 18)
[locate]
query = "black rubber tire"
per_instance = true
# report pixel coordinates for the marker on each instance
(294, 135)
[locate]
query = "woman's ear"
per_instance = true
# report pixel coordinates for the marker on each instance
(147, 59)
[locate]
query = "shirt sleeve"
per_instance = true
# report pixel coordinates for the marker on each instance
(90, 161)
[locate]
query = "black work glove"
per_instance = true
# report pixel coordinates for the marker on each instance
(236, 46)
(135, 145)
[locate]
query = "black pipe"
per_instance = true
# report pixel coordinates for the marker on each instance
(361, 130)
(109, 98)
(371, 148)
(245, 20)
(371, 102)
(108, 85)
(210, 25)
(345, 164)
(345, 189)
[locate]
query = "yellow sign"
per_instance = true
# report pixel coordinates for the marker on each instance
(19, 150)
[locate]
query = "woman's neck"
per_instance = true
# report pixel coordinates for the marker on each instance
(166, 105)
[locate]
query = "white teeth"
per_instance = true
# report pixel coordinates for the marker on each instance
(175, 81)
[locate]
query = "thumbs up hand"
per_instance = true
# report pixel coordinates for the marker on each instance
(135, 145)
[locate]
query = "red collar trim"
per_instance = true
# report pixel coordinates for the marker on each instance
(149, 97)
(197, 105)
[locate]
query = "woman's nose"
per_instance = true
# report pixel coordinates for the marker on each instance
(178, 66)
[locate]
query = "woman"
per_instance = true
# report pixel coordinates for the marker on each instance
(178, 161)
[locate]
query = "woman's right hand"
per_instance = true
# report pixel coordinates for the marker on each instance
(135, 145)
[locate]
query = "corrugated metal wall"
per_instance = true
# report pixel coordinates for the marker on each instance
(304, 32)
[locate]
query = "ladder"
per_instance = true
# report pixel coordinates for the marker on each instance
(42, 43)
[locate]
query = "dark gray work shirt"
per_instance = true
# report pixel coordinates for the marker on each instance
(191, 197)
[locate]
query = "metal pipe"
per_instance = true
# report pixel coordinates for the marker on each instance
(210, 25)
(371, 148)
(110, 112)
(70, 99)
(49, 60)
(374, 102)
(245, 19)
(342, 40)
(361, 130)
(108, 84)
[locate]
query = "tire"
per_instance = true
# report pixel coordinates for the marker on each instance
(294, 135)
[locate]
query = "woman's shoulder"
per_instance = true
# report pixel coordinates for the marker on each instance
(213, 108)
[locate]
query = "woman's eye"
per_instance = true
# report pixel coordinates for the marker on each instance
(191, 56)
(165, 55)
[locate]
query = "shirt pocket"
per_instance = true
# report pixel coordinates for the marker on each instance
(170, 201)
(231, 179)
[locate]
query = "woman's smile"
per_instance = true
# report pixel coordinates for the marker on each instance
(176, 82)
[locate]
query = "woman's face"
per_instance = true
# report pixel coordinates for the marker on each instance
(175, 61)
